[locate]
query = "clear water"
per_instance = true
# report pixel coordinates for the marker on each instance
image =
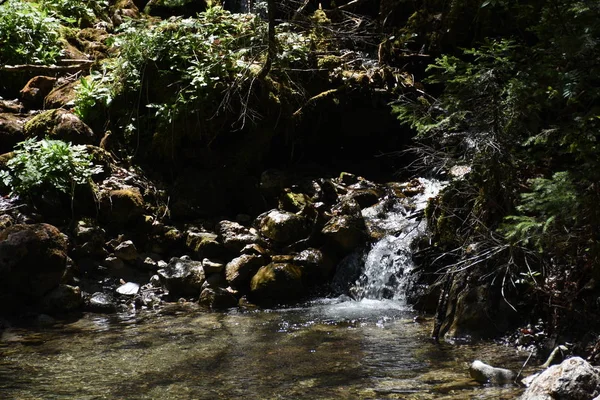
(328, 349)
(388, 267)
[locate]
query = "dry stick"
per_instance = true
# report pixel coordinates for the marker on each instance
(47, 69)
(523, 367)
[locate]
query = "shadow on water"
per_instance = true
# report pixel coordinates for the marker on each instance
(327, 349)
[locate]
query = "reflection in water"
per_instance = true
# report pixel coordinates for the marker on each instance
(328, 349)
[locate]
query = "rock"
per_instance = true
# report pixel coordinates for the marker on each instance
(217, 298)
(33, 260)
(61, 96)
(294, 202)
(128, 289)
(283, 227)
(344, 233)
(254, 248)
(240, 270)
(235, 236)
(484, 373)
(347, 178)
(86, 232)
(277, 282)
(203, 244)
(364, 197)
(102, 303)
(212, 267)
(149, 262)
(62, 298)
(59, 124)
(122, 206)
(34, 92)
(182, 278)
(317, 267)
(126, 251)
(12, 131)
(573, 379)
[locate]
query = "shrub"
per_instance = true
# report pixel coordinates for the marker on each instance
(75, 12)
(27, 34)
(48, 165)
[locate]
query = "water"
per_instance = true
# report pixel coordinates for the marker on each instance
(365, 347)
(327, 349)
(388, 266)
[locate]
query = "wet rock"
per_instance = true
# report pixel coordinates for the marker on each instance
(203, 244)
(182, 277)
(277, 282)
(34, 92)
(347, 178)
(484, 373)
(318, 268)
(240, 270)
(344, 233)
(217, 298)
(128, 289)
(59, 124)
(294, 202)
(235, 236)
(255, 249)
(102, 303)
(573, 379)
(113, 263)
(364, 197)
(283, 227)
(212, 267)
(63, 298)
(126, 251)
(33, 259)
(12, 131)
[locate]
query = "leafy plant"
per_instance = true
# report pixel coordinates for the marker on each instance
(43, 165)
(27, 34)
(92, 93)
(75, 12)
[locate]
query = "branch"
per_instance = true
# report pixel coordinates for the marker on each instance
(48, 69)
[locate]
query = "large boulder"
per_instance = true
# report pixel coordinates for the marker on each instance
(276, 283)
(182, 277)
(283, 227)
(344, 233)
(573, 379)
(33, 260)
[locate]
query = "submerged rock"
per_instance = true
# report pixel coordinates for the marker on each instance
(573, 379)
(182, 277)
(484, 373)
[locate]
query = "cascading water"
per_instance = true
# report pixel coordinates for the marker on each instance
(388, 265)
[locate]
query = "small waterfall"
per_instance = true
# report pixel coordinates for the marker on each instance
(388, 265)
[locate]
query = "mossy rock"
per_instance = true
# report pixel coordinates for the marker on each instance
(59, 124)
(122, 206)
(277, 283)
(61, 96)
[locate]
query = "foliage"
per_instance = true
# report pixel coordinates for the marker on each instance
(521, 108)
(92, 94)
(28, 34)
(38, 166)
(75, 12)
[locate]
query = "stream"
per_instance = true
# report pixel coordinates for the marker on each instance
(367, 344)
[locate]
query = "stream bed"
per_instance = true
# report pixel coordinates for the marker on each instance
(325, 349)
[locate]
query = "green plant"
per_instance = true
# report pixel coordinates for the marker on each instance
(92, 93)
(75, 12)
(48, 165)
(27, 34)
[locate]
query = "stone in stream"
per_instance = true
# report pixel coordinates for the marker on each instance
(182, 277)
(484, 373)
(573, 379)
(102, 303)
(33, 260)
(277, 282)
(240, 270)
(63, 298)
(128, 289)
